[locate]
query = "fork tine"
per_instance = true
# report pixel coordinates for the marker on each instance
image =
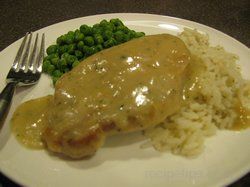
(23, 62)
(40, 55)
(31, 65)
(19, 53)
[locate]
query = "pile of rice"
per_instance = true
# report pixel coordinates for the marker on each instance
(184, 132)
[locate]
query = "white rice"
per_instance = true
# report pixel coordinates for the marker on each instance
(184, 132)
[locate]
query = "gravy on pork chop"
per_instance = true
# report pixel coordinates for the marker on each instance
(129, 87)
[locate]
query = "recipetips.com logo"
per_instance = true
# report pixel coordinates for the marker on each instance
(177, 174)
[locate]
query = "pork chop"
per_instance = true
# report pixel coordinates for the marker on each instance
(126, 88)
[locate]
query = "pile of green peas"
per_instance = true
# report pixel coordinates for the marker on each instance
(72, 48)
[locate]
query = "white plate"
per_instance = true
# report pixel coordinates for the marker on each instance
(121, 162)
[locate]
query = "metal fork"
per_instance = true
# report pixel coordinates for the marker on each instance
(26, 69)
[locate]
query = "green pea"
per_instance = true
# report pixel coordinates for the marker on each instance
(70, 59)
(54, 61)
(71, 48)
(61, 40)
(132, 34)
(116, 22)
(78, 36)
(85, 29)
(103, 23)
(80, 45)
(71, 33)
(75, 63)
(78, 54)
(119, 28)
(109, 43)
(46, 64)
(50, 69)
(52, 49)
(107, 35)
(108, 26)
(99, 47)
(69, 38)
(90, 50)
(97, 25)
(119, 36)
(89, 41)
(98, 39)
(97, 30)
(125, 29)
(62, 64)
(65, 55)
(49, 57)
(126, 38)
(85, 49)
(139, 34)
(57, 73)
(62, 49)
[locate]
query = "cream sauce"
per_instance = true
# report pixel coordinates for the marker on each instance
(126, 88)
(135, 82)
(243, 119)
(191, 88)
(28, 122)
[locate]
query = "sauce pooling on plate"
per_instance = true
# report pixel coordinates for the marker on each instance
(28, 122)
(243, 119)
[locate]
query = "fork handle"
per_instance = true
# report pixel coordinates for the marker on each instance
(5, 98)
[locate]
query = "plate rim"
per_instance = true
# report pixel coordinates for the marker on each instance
(171, 19)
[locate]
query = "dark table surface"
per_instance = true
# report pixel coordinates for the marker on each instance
(17, 17)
